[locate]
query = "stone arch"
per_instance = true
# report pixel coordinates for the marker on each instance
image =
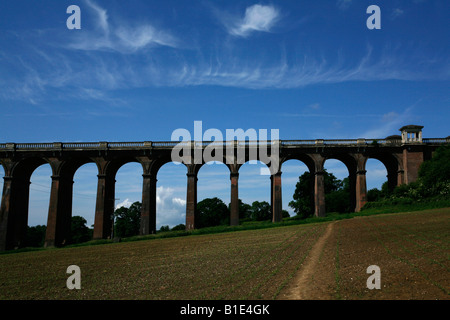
(61, 198)
(305, 158)
(24, 168)
(393, 164)
(15, 200)
(114, 165)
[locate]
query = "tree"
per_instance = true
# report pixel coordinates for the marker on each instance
(244, 210)
(436, 171)
(302, 198)
(261, 211)
(338, 200)
(127, 220)
(179, 227)
(337, 194)
(35, 236)
(374, 194)
(164, 228)
(79, 232)
(212, 212)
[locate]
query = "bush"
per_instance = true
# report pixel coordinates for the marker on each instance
(35, 236)
(179, 227)
(436, 170)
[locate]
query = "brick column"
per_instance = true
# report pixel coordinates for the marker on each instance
(59, 212)
(352, 177)
(361, 190)
(5, 213)
(234, 204)
(104, 207)
(14, 211)
(400, 177)
(392, 178)
(277, 205)
(148, 214)
(319, 194)
(191, 200)
(412, 159)
(271, 194)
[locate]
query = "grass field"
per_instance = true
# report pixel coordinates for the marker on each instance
(411, 249)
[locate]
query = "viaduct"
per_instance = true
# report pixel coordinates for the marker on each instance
(402, 156)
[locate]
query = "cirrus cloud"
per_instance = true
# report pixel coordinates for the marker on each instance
(108, 36)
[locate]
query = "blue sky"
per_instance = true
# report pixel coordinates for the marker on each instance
(138, 70)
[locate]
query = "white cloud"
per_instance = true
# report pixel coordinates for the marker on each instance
(257, 18)
(125, 203)
(170, 208)
(179, 202)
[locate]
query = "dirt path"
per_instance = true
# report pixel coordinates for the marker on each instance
(300, 284)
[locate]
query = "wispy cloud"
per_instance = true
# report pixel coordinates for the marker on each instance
(389, 123)
(229, 71)
(257, 18)
(343, 4)
(47, 70)
(314, 106)
(93, 76)
(397, 12)
(102, 15)
(109, 36)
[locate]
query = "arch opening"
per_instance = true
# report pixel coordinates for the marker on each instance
(377, 180)
(37, 204)
(298, 188)
(171, 197)
(213, 195)
(126, 197)
(393, 169)
(2, 176)
(255, 191)
(84, 195)
(339, 184)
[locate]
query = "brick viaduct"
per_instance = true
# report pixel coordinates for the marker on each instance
(401, 155)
